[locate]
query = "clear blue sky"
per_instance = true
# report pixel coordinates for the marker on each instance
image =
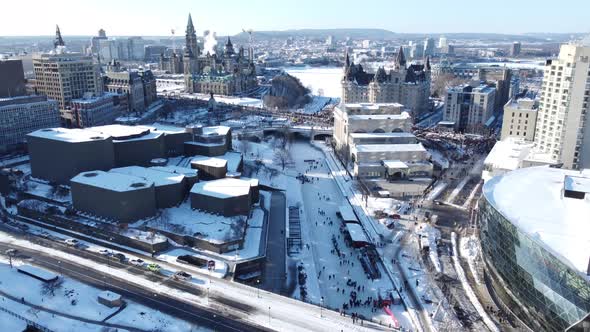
(157, 17)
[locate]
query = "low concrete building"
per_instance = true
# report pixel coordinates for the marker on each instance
(120, 197)
(208, 141)
(170, 188)
(227, 197)
(191, 176)
(58, 154)
(210, 168)
(110, 299)
(134, 145)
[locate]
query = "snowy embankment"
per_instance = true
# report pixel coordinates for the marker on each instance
(468, 290)
(470, 251)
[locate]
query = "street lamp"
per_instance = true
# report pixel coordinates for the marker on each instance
(269, 316)
(258, 286)
(321, 306)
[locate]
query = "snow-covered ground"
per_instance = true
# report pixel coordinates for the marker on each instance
(327, 273)
(286, 314)
(75, 299)
(323, 81)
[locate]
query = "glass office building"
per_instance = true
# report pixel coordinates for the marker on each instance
(534, 229)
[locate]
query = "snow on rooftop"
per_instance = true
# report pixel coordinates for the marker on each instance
(532, 199)
(223, 188)
(187, 172)
(209, 161)
(389, 147)
(402, 116)
(109, 296)
(215, 130)
(347, 213)
(233, 160)
(157, 177)
(168, 129)
(112, 181)
(394, 164)
(122, 132)
(68, 135)
(372, 106)
(37, 272)
(380, 135)
(357, 234)
(508, 153)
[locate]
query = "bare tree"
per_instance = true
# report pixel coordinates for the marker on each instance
(445, 81)
(49, 288)
(282, 157)
(245, 147)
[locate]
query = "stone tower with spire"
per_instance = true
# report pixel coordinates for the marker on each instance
(58, 39)
(191, 53)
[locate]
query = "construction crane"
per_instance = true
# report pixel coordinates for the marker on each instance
(173, 31)
(250, 49)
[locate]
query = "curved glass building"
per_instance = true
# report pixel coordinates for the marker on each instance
(535, 236)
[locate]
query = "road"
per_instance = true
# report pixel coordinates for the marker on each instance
(275, 268)
(232, 301)
(154, 299)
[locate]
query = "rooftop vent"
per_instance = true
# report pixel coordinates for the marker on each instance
(90, 175)
(576, 187)
(137, 185)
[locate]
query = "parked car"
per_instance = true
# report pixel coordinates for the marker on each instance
(105, 252)
(181, 275)
(153, 267)
(137, 262)
(395, 216)
(72, 242)
(120, 257)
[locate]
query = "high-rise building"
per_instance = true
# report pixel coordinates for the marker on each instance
(502, 79)
(95, 41)
(12, 82)
(407, 85)
(428, 47)
(563, 125)
(22, 115)
(468, 107)
(443, 42)
(63, 76)
(520, 118)
(153, 52)
(515, 49)
(121, 49)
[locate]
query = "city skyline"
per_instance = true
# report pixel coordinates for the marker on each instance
(150, 18)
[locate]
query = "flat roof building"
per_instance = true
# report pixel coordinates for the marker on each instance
(119, 197)
(520, 118)
(227, 197)
(170, 188)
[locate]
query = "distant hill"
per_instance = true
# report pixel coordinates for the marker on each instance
(374, 34)
(382, 34)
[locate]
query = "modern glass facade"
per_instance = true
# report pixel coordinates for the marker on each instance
(549, 291)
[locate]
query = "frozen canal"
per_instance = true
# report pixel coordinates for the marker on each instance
(327, 273)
